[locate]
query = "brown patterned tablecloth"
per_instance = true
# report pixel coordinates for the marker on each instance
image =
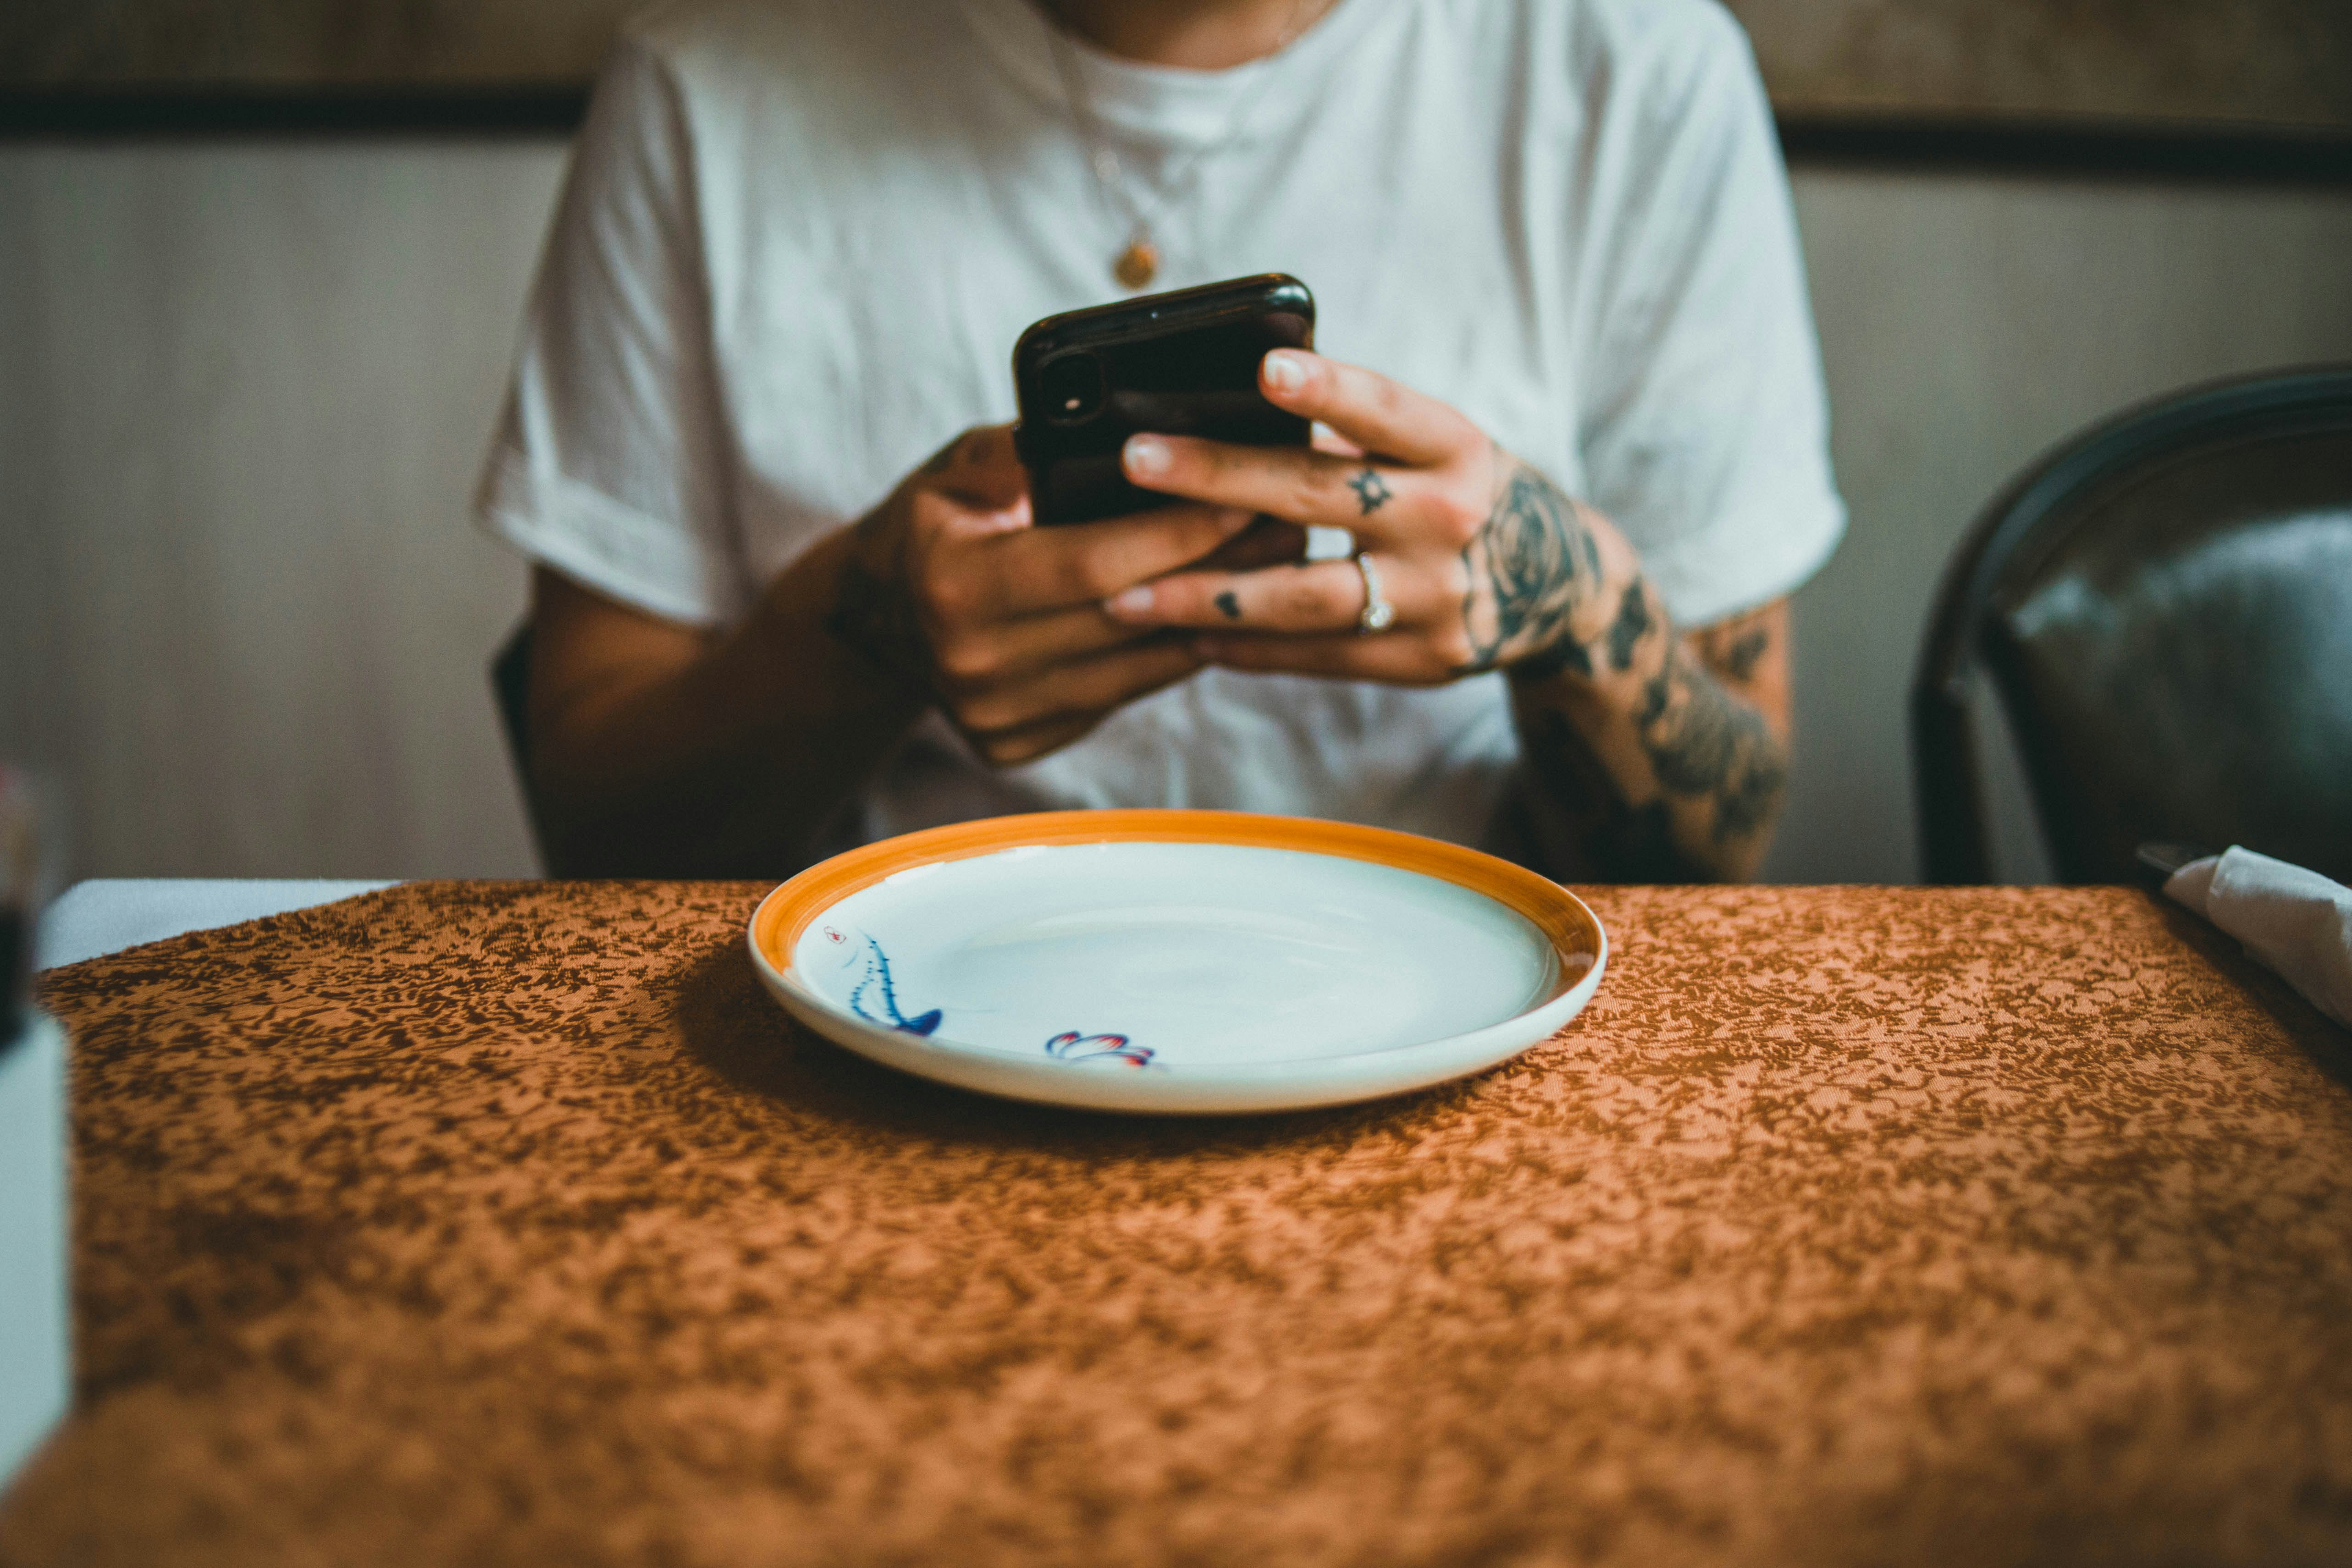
(511, 1223)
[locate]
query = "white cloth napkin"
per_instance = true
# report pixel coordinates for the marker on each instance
(2295, 921)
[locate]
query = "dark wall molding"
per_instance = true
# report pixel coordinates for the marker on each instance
(2076, 147)
(2083, 147)
(129, 114)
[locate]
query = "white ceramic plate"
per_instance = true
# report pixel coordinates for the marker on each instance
(1178, 961)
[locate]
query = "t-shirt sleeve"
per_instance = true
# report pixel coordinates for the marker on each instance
(1704, 425)
(609, 460)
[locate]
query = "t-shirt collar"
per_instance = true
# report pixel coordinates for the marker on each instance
(1170, 105)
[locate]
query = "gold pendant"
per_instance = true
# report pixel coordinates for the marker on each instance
(1138, 264)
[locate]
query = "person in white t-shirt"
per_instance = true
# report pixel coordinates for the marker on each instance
(1571, 409)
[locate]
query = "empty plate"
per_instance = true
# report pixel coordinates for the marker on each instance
(1178, 961)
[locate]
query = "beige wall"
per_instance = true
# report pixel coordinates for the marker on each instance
(2236, 62)
(244, 386)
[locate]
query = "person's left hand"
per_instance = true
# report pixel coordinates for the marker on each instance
(1485, 562)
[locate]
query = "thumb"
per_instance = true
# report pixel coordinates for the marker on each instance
(986, 470)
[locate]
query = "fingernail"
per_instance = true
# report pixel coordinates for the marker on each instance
(1285, 372)
(1132, 602)
(1147, 455)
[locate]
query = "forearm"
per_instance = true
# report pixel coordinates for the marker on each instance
(714, 756)
(1650, 768)
(1649, 756)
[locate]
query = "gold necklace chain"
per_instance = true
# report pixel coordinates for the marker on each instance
(1138, 262)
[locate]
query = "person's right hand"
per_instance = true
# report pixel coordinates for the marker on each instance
(949, 587)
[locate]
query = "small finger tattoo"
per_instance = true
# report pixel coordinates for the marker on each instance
(1230, 606)
(1372, 491)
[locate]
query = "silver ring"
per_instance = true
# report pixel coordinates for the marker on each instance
(1378, 614)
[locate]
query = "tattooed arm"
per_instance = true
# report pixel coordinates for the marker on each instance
(1650, 755)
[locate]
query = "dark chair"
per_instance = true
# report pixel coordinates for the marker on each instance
(510, 684)
(2164, 607)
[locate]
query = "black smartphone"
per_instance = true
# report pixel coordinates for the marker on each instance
(1183, 364)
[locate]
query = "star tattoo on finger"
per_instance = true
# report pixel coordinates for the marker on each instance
(1372, 491)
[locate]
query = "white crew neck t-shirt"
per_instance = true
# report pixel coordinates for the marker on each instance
(799, 238)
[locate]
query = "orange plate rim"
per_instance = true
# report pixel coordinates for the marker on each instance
(785, 914)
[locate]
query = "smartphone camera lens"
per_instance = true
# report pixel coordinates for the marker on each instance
(1072, 385)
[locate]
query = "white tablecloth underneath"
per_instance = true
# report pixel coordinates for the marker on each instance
(95, 918)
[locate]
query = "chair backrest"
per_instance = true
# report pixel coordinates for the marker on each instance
(2164, 607)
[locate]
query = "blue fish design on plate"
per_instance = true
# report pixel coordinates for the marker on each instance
(876, 984)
